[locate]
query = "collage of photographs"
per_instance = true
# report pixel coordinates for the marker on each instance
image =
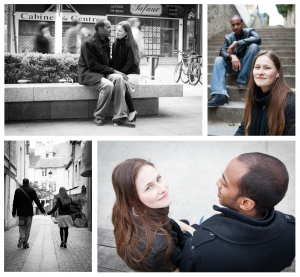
(132, 137)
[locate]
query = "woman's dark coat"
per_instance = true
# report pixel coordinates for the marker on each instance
(62, 209)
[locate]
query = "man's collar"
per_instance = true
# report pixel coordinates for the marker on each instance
(100, 41)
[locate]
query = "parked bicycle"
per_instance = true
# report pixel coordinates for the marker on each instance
(189, 68)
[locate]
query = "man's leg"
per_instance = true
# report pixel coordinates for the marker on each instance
(105, 93)
(28, 223)
(247, 63)
(218, 89)
(21, 231)
(120, 108)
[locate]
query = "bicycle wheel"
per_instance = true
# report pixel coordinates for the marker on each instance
(195, 73)
(177, 72)
(185, 75)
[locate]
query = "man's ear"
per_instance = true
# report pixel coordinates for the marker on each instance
(247, 204)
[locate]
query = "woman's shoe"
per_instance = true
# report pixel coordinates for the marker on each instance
(132, 116)
(65, 245)
(62, 244)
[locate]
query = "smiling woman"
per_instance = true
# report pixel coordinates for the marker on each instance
(146, 238)
(270, 104)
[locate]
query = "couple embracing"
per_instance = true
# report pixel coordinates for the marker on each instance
(114, 77)
(247, 234)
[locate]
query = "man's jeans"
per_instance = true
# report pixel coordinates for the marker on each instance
(222, 67)
(24, 229)
(112, 84)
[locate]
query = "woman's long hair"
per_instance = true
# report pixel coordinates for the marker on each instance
(279, 91)
(135, 224)
(130, 41)
(63, 196)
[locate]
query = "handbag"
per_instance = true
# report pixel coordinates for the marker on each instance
(71, 208)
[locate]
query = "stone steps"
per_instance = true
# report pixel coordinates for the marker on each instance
(280, 40)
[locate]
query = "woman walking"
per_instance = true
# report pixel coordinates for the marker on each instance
(270, 104)
(126, 59)
(64, 217)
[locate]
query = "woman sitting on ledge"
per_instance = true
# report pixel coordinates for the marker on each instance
(270, 104)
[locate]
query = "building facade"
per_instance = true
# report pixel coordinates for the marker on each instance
(165, 28)
(15, 170)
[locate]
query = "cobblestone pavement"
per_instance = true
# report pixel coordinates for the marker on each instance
(44, 253)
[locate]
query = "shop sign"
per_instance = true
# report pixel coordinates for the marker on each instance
(143, 9)
(50, 16)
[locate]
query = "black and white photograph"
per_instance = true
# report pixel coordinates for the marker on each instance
(103, 69)
(47, 206)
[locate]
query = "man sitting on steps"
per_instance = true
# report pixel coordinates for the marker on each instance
(236, 58)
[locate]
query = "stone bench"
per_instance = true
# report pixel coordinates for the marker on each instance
(65, 101)
(109, 261)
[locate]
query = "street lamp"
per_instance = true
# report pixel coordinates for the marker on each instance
(50, 174)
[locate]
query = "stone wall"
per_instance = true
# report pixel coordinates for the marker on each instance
(218, 18)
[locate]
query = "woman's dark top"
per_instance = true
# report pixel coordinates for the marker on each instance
(41, 44)
(122, 58)
(259, 120)
(62, 209)
(154, 261)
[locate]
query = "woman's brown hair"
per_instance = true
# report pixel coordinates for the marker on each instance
(135, 224)
(280, 89)
(130, 41)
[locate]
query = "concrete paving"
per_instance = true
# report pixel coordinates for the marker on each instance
(44, 254)
(178, 116)
(191, 169)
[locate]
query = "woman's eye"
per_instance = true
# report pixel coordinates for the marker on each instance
(149, 187)
(158, 178)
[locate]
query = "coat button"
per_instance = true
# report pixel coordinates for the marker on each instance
(211, 234)
(192, 247)
(288, 217)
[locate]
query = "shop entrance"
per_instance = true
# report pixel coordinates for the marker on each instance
(167, 39)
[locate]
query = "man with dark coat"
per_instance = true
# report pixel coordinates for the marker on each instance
(94, 71)
(247, 235)
(22, 206)
(236, 58)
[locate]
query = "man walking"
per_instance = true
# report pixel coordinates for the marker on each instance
(94, 70)
(236, 58)
(72, 37)
(22, 206)
(247, 235)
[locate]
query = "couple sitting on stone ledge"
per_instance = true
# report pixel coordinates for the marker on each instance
(114, 77)
(270, 102)
(247, 234)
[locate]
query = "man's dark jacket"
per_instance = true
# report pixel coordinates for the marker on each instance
(232, 242)
(21, 204)
(248, 37)
(94, 61)
(122, 58)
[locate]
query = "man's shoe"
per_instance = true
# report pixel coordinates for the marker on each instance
(217, 100)
(241, 86)
(98, 121)
(123, 122)
(20, 243)
(25, 245)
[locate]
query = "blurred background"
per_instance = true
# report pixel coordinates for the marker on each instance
(191, 170)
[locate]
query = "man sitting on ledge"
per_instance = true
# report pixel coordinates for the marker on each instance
(236, 58)
(249, 234)
(94, 70)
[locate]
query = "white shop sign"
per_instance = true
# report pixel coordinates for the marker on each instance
(143, 9)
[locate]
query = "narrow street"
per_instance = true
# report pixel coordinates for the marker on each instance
(45, 254)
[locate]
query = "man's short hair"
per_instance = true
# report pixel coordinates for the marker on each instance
(238, 17)
(100, 23)
(74, 23)
(25, 181)
(265, 183)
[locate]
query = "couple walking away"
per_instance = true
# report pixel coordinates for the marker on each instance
(22, 207)
(247, 234)
(113, 77)
(270, 102)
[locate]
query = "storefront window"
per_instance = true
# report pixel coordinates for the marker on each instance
(160, 35)
(190, 39)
